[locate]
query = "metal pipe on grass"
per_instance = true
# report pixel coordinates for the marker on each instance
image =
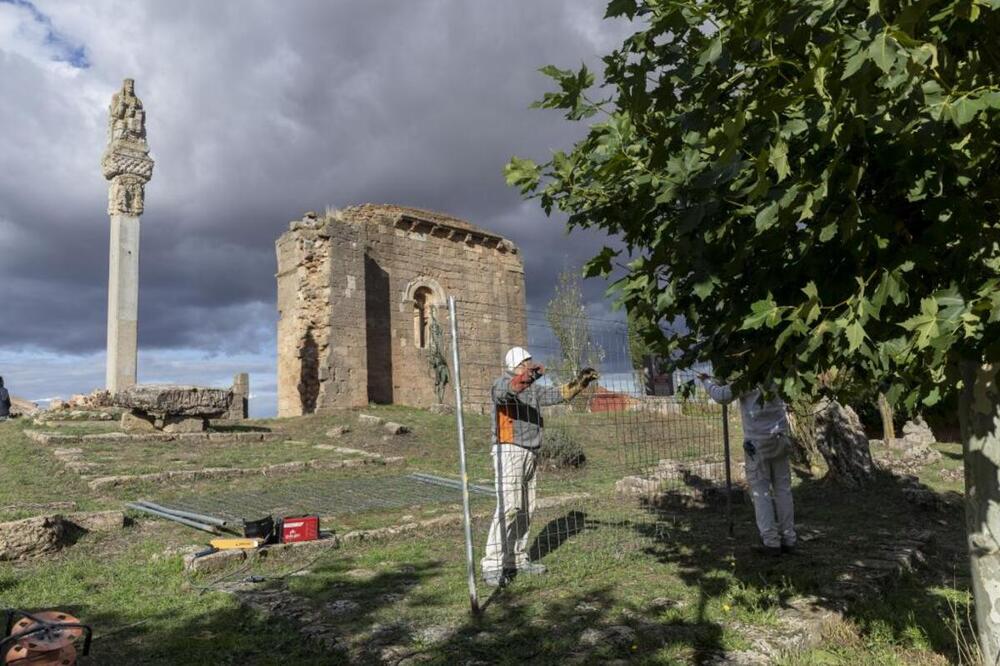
(201, 518)
(176, 519)
(460, 423)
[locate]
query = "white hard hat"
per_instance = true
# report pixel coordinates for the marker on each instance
(515, 356)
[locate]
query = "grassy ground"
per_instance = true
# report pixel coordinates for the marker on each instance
(609, 566)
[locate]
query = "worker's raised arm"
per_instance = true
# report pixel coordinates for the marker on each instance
(719, 392)
(553, 395)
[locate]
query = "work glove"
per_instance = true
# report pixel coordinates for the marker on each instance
(527, 377)
(582, 380)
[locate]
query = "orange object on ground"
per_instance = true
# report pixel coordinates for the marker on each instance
(43, 639)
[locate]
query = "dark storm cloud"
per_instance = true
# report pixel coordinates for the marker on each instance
(256, 113)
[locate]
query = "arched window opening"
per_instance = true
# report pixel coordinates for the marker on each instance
(422, 317)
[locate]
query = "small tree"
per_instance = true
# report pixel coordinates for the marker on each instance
(810, 185)
(567, 317)
(436, 361)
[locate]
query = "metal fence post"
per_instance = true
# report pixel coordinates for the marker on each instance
(460, 424)
(729, 475)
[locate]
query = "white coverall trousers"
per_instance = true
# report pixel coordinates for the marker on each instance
(770, 482)
(514, 471)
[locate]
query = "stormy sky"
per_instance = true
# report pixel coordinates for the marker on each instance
(256, 113)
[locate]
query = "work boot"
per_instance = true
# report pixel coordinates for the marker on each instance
(788, 549)
(531, 568)
(496, 577)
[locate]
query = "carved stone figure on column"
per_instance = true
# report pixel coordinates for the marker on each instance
(127, 166)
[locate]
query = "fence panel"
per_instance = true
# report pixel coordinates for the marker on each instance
(614, 462)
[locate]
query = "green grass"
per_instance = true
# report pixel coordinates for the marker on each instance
(673, 577)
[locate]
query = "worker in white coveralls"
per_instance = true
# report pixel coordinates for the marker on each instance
(766, 446)
(517, 437)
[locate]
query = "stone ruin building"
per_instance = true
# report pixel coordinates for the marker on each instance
(362, 303)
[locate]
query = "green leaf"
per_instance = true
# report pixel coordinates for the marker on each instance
(763, 312)
(883, 52)
(523, 174)
(854, 63)
(828, 232)
(767, 217)
(779, 159)
(855, 335)
(621, 8)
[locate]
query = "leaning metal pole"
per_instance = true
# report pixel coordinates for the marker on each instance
(729, 475)
(460, 424)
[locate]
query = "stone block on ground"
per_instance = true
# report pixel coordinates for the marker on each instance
(175, 400)
(440, 408)
(338, 431)
(368, 419)
(172, 408)
(97, 521)
(394, 428)
(22, 407)
(31, 537)
(137, 423)
(184, 424)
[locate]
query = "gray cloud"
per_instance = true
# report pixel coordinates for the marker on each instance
(257, 112)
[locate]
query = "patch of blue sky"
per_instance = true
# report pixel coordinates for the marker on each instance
(62, 48)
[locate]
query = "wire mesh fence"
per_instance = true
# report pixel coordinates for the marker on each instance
(593, 465)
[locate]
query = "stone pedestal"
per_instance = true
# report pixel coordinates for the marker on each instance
(171, 408)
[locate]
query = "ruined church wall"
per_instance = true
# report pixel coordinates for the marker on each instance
(319, 308)
(487, 281)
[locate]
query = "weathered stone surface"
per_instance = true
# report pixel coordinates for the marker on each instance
(368, 419)
(358, 290)
(841, 439)
(394, 428)
(184, 424)
(21, 407)
(338, 431)
(240, 407)
(685, 482)
(916, 431)
(31, 537)
(137, 423)
(175, 400)
(97, 521)
(440, 408)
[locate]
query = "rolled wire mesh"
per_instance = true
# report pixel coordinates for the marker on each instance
(615, 459)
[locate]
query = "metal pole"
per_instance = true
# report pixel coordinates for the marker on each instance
(176, 519)
(729, 475)
(460, 424)
(197, 517)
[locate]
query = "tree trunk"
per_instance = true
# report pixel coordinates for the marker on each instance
(803, 428)
(979, 413)
(888, 427)
(843, 443)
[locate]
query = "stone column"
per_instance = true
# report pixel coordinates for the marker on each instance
(128, 167)
(240, 409)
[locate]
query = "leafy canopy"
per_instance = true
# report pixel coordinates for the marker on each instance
(807, 184)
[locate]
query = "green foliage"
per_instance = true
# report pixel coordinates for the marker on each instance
(638, 348)
(806, 184)
(560, 450)
(567, 317)
(436, 362)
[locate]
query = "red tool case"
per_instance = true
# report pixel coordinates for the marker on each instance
(302, 528)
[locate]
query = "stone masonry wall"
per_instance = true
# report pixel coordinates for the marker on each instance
(357, 270)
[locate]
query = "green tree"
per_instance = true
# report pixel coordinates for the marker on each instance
(810, 185)
(567, 317)
(638, 348)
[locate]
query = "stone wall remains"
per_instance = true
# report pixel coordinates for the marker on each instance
(361, 271)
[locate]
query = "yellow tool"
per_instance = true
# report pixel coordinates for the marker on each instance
(229, 544)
